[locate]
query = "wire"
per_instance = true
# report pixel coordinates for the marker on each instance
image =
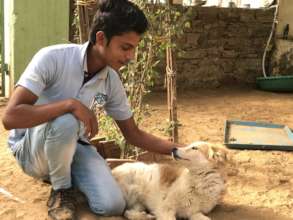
(270, 38)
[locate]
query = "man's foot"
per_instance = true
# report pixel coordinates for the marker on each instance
(61, 204)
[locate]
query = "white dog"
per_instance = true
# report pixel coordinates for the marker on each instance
(168, 191)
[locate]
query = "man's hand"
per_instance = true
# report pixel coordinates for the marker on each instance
(87, 117)
(144, 140)
(22, 113)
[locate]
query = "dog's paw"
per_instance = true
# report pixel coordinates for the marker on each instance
(138, 215)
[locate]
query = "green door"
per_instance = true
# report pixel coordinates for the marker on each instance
(2, 63)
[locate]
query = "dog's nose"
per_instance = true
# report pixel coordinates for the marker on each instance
(174, 153)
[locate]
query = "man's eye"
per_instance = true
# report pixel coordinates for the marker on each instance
(125, 48)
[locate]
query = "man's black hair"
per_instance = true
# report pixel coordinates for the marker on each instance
(115, 17)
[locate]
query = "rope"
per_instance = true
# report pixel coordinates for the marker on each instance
(86, 2)
(170, 72)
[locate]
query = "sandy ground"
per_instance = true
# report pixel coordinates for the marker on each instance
(259, 182)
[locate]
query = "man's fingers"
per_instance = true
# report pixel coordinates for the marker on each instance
(94, 126)
(88, 128)
(90, 124)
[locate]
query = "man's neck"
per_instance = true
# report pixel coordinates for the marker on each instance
(94, 64)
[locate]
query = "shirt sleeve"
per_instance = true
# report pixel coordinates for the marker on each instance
(39, 72)
(117, 105)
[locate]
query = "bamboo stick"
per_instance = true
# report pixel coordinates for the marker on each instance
(83, 9)
(171, 85)
(83, 23)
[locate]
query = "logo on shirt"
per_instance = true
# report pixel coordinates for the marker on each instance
(99, 101)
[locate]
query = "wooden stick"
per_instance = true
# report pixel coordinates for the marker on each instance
(83, 23)
(171, 85)
(83, 8)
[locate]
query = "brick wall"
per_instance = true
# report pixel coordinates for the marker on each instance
(220, 46)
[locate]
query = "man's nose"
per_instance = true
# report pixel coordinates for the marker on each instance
(130, 55)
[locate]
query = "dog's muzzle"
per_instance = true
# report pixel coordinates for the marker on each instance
(174, 153)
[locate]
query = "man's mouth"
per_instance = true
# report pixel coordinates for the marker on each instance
(124, 63)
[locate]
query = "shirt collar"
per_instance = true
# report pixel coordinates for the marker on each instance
(102, 74)
(83, 53)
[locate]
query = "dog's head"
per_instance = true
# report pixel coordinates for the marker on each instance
(215, 153)
(190, 154)
(202, 152)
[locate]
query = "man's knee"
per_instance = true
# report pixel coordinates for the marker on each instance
(113, 207)
(65, 125)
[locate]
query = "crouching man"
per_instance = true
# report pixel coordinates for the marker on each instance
(50, 117)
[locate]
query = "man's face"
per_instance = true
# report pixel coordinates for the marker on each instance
(120, 50)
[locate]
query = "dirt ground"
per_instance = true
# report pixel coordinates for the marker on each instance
(259, 184)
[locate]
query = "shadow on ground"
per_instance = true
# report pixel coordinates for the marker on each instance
(229, 212)
(223, 212)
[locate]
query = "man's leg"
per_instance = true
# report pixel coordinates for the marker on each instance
(93, 177)
(46, 152)
(59, 149)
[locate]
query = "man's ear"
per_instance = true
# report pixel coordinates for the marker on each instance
(101, 38)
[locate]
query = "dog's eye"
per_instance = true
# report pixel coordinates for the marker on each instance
(193, 148)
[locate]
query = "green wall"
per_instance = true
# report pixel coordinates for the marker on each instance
(2, 92)
(36, 24)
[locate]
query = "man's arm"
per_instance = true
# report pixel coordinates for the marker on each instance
(22, 113)
(144, 140)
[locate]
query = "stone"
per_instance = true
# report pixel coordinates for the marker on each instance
(213, 51)
(226, 65)
(221, 45)
(247, 15)
(196, 54)
(229, 54)
(265, 15)
(208, 14)
(229, 14)
(192, 38)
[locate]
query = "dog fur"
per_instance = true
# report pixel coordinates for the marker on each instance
(189, 189)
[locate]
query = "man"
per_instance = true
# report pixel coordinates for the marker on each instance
(50, 112)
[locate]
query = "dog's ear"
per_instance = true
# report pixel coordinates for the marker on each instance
(205, 150)
(217, 154)
(211, 153)
(214, 153)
